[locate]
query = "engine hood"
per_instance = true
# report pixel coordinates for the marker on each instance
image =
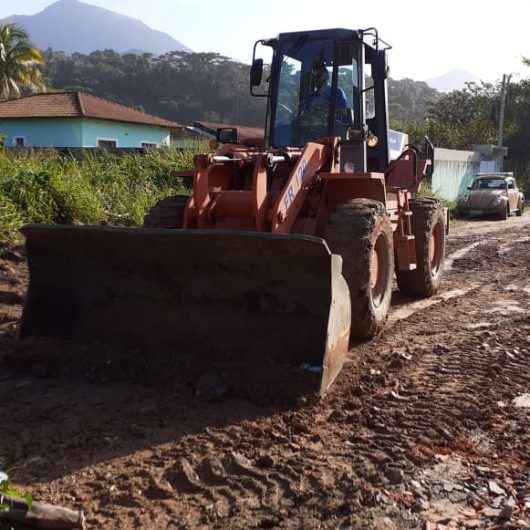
(483, 198)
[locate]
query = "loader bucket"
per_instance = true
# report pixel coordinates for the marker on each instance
(262, 308)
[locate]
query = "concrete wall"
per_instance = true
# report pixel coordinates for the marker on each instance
(454, 171)
(42, 133)
(72, 132)
(125, 134)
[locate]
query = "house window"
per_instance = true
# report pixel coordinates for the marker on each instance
(19, 141)
(149, 145)
(107, 144)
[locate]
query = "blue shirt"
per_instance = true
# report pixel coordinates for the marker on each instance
(324, 98)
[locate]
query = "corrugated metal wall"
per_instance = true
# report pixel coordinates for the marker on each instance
(454, 171)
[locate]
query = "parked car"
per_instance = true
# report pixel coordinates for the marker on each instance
(492, 194)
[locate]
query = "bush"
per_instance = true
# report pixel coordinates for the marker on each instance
(10, 220)
(426, 191)
(46, 187)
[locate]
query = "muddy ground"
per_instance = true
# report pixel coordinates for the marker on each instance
(427, 428)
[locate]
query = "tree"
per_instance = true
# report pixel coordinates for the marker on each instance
(19, 63)
(408, 99)
(462, 118)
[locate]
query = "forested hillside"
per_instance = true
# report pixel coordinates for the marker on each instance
(185, 87)
(409, 99)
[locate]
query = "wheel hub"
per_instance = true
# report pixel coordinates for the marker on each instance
(436, 248)
(379, 270)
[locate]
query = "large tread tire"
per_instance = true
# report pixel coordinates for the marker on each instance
(428, 225)
(361, 232)
(167, 213)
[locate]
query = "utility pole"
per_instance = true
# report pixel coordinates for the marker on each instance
(504, 91)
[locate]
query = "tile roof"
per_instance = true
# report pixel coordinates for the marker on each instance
(76, 105)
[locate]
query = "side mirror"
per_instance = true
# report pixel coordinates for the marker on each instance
(256, 72)
(227, 135)
(470, 188)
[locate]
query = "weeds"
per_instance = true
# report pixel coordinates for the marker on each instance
(46, 187)
(8, 490)
(426, 191)
(9, 494)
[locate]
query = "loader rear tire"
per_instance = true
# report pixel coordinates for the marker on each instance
(167, 213)
(428, 226)
(360, 231)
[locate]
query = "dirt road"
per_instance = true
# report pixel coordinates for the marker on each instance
(427, 428)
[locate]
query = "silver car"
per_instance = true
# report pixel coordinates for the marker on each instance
(492, 194)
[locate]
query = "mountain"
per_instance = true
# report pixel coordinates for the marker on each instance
(73, 26)
(453, 80)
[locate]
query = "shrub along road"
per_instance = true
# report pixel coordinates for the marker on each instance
(427, 427)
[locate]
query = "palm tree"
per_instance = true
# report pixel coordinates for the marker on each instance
(19, 63)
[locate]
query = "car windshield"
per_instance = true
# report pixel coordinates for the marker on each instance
(490, 184)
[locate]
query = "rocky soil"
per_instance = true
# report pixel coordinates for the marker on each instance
(428, 427)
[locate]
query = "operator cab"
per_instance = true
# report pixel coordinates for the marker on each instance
(317, 89)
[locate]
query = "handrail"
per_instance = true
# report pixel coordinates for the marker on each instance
(374, 33)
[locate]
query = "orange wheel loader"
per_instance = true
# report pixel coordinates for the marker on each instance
(286, 248)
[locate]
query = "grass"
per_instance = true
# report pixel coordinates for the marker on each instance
(426, 191)
(102, 188)
(8, 490)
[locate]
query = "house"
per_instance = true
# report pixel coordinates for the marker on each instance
(79, 120)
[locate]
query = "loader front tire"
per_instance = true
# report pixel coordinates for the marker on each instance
(360, 231)
(167, 213)
(428, 226)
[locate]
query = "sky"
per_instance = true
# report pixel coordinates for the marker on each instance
(484, 37)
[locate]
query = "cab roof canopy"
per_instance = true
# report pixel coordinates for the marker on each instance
(340, 33)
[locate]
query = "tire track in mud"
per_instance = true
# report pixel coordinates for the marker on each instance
(495, 238)
(430, 386)
(382, 426)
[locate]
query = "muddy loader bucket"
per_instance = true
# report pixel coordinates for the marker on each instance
(268, 308)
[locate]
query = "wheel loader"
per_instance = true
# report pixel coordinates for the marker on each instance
(286, 249)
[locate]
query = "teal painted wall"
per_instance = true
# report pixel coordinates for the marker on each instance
(126, 134)
(80, 133)
(42, 132)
